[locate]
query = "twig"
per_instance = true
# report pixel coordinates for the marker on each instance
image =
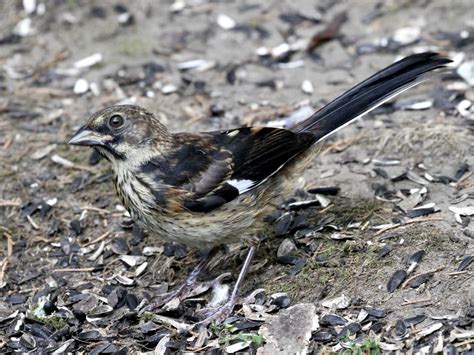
(84, 269)
(407, 303)
(42, 91)
(172, 323)
(3, 272)
(95, 209)
(463, 178)
(81, 167)
(413, 221)
(342, 145)
(330, 32)
(381, 146)
(10, 203)
(33, 223)
(407, 281)
(317, 252)
(26, 290)
(41, 239)
(7, 143)
(5, 230)
(465, 342)
(279, 278)
(6, 260)
(100, 238)
(69, 164)
(455, 273)
(326, 208)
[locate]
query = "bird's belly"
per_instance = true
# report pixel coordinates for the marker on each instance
(236, 221)
(201, 230)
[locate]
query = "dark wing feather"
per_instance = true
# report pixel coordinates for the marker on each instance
(260, 152)
(214, 168)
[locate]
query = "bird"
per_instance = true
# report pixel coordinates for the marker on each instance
(210, 189)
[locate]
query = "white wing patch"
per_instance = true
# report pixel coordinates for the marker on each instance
(242, 185)
(233, 133)
(245, 185)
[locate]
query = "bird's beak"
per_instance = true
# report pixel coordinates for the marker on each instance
(89, 138)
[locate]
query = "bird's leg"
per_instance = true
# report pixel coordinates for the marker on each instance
(222, 312)
(188, 285)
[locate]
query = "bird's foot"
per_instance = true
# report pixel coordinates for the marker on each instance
(218, 314)
(220, 306)
(181, 293)
(221, 313)
(188, 289)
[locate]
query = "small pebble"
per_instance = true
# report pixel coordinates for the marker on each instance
(307, 87)
(81, 86)
(225, 22)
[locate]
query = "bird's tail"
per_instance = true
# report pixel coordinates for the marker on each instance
(371, 93)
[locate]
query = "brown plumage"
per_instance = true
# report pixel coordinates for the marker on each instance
(214, 188)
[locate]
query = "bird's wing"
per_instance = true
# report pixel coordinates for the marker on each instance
(214, 168)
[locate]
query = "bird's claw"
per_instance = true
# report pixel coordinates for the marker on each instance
(181, 293)
(218, 315)
(218, 280)
(186, 290)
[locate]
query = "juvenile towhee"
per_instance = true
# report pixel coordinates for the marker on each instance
(213, 188)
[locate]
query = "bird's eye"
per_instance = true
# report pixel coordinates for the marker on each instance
(116, 121)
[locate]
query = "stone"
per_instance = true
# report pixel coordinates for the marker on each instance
(289, 331)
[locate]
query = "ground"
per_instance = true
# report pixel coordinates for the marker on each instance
(63, 234)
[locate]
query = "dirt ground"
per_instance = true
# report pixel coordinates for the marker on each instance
(52, 211)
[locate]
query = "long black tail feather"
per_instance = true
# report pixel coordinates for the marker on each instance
(371, 93)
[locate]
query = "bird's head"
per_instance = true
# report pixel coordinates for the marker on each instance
(123, 133)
